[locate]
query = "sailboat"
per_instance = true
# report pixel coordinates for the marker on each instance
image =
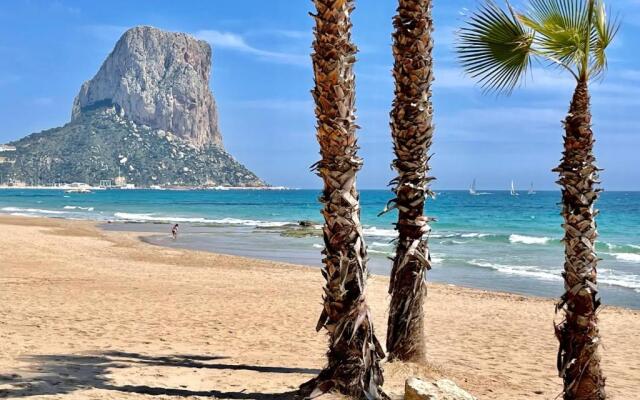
(472, 189)
(513, 189)
(531, 191)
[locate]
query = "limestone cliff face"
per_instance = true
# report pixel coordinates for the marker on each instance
(159, 79)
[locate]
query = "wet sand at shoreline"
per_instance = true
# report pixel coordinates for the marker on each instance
(89, 314)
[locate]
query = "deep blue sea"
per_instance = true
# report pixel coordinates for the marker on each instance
(493, 241)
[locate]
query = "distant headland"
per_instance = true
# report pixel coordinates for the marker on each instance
(147, 119)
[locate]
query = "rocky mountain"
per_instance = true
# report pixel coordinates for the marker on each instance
(148, 116)
(160, 79)
(102, 144)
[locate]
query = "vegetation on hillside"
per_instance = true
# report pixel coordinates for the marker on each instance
(102, 145)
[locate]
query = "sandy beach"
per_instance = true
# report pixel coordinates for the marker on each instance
(88, 314)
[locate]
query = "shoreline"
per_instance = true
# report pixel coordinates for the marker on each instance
(269, 245)
(520, 252)
(90, 313)
(147, 238)
(175, 188)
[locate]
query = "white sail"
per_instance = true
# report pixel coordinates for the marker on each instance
(513, 189)
(531, 191)
(472, 189)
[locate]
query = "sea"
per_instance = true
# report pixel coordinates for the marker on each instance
(491, 241)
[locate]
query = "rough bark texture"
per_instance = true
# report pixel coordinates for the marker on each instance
(354, 354)
(412, 129)
(578, 355)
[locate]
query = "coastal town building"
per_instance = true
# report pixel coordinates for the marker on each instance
(120, 181)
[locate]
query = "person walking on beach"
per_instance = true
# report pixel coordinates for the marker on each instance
(174, 231)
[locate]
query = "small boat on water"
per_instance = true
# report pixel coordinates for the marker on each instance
(513, 190)
(472, 189)
(79, 190)
(78, 187)
(531, 191)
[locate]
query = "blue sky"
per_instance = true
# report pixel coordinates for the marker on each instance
(262, 77)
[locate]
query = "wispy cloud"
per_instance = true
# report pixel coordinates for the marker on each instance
(450, 76)
(105, 32)
(302, 106)
(61, 7)
(503, 123)
(236, 42)
(284, 33)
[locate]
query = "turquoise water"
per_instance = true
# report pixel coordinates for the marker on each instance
(493, 241)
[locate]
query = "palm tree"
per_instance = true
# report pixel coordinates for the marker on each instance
(497, 48)
(412, 130)
(354, 355)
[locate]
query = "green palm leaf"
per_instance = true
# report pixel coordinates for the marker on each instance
(605, 29)
(562, 28)
(494, 47)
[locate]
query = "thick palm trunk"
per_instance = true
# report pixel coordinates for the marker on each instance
(412, 129)
(354, 354)
(578, 356)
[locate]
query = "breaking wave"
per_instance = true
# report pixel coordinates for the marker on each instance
(32, 211)
(528, 239)
(78, 208)
(197, 220)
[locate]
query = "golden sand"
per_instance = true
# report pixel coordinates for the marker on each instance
(87, 314)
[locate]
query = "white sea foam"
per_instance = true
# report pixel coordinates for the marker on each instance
(378, 232)
(627, 257)
(611, 277)
(248, 222)
(606, 276)
(474, 235)
(379, 244)
(197, 220)
(78, 208)
(32, 210)
(17, 214)
(318, 246)
(520, 270)
(373, 251)
(528, 239)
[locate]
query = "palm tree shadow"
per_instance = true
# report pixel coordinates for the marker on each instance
(63, 374)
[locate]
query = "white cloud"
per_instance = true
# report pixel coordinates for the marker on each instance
(285, 33)
(630, 74)
(234, 41)
(302, 106)
(453, 77)
(106, 33)
(59, 6)
(502, 124)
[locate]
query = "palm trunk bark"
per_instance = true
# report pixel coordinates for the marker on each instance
(578, 355)
(354, 355)
(412, 130)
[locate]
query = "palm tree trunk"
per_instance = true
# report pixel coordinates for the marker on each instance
(412, 130)
(578, 355)
(354, 354)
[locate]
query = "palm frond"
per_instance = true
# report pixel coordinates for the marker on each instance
(563, 29)
(494, 47)
(605, 29)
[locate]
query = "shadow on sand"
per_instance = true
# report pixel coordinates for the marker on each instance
(62, 374)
